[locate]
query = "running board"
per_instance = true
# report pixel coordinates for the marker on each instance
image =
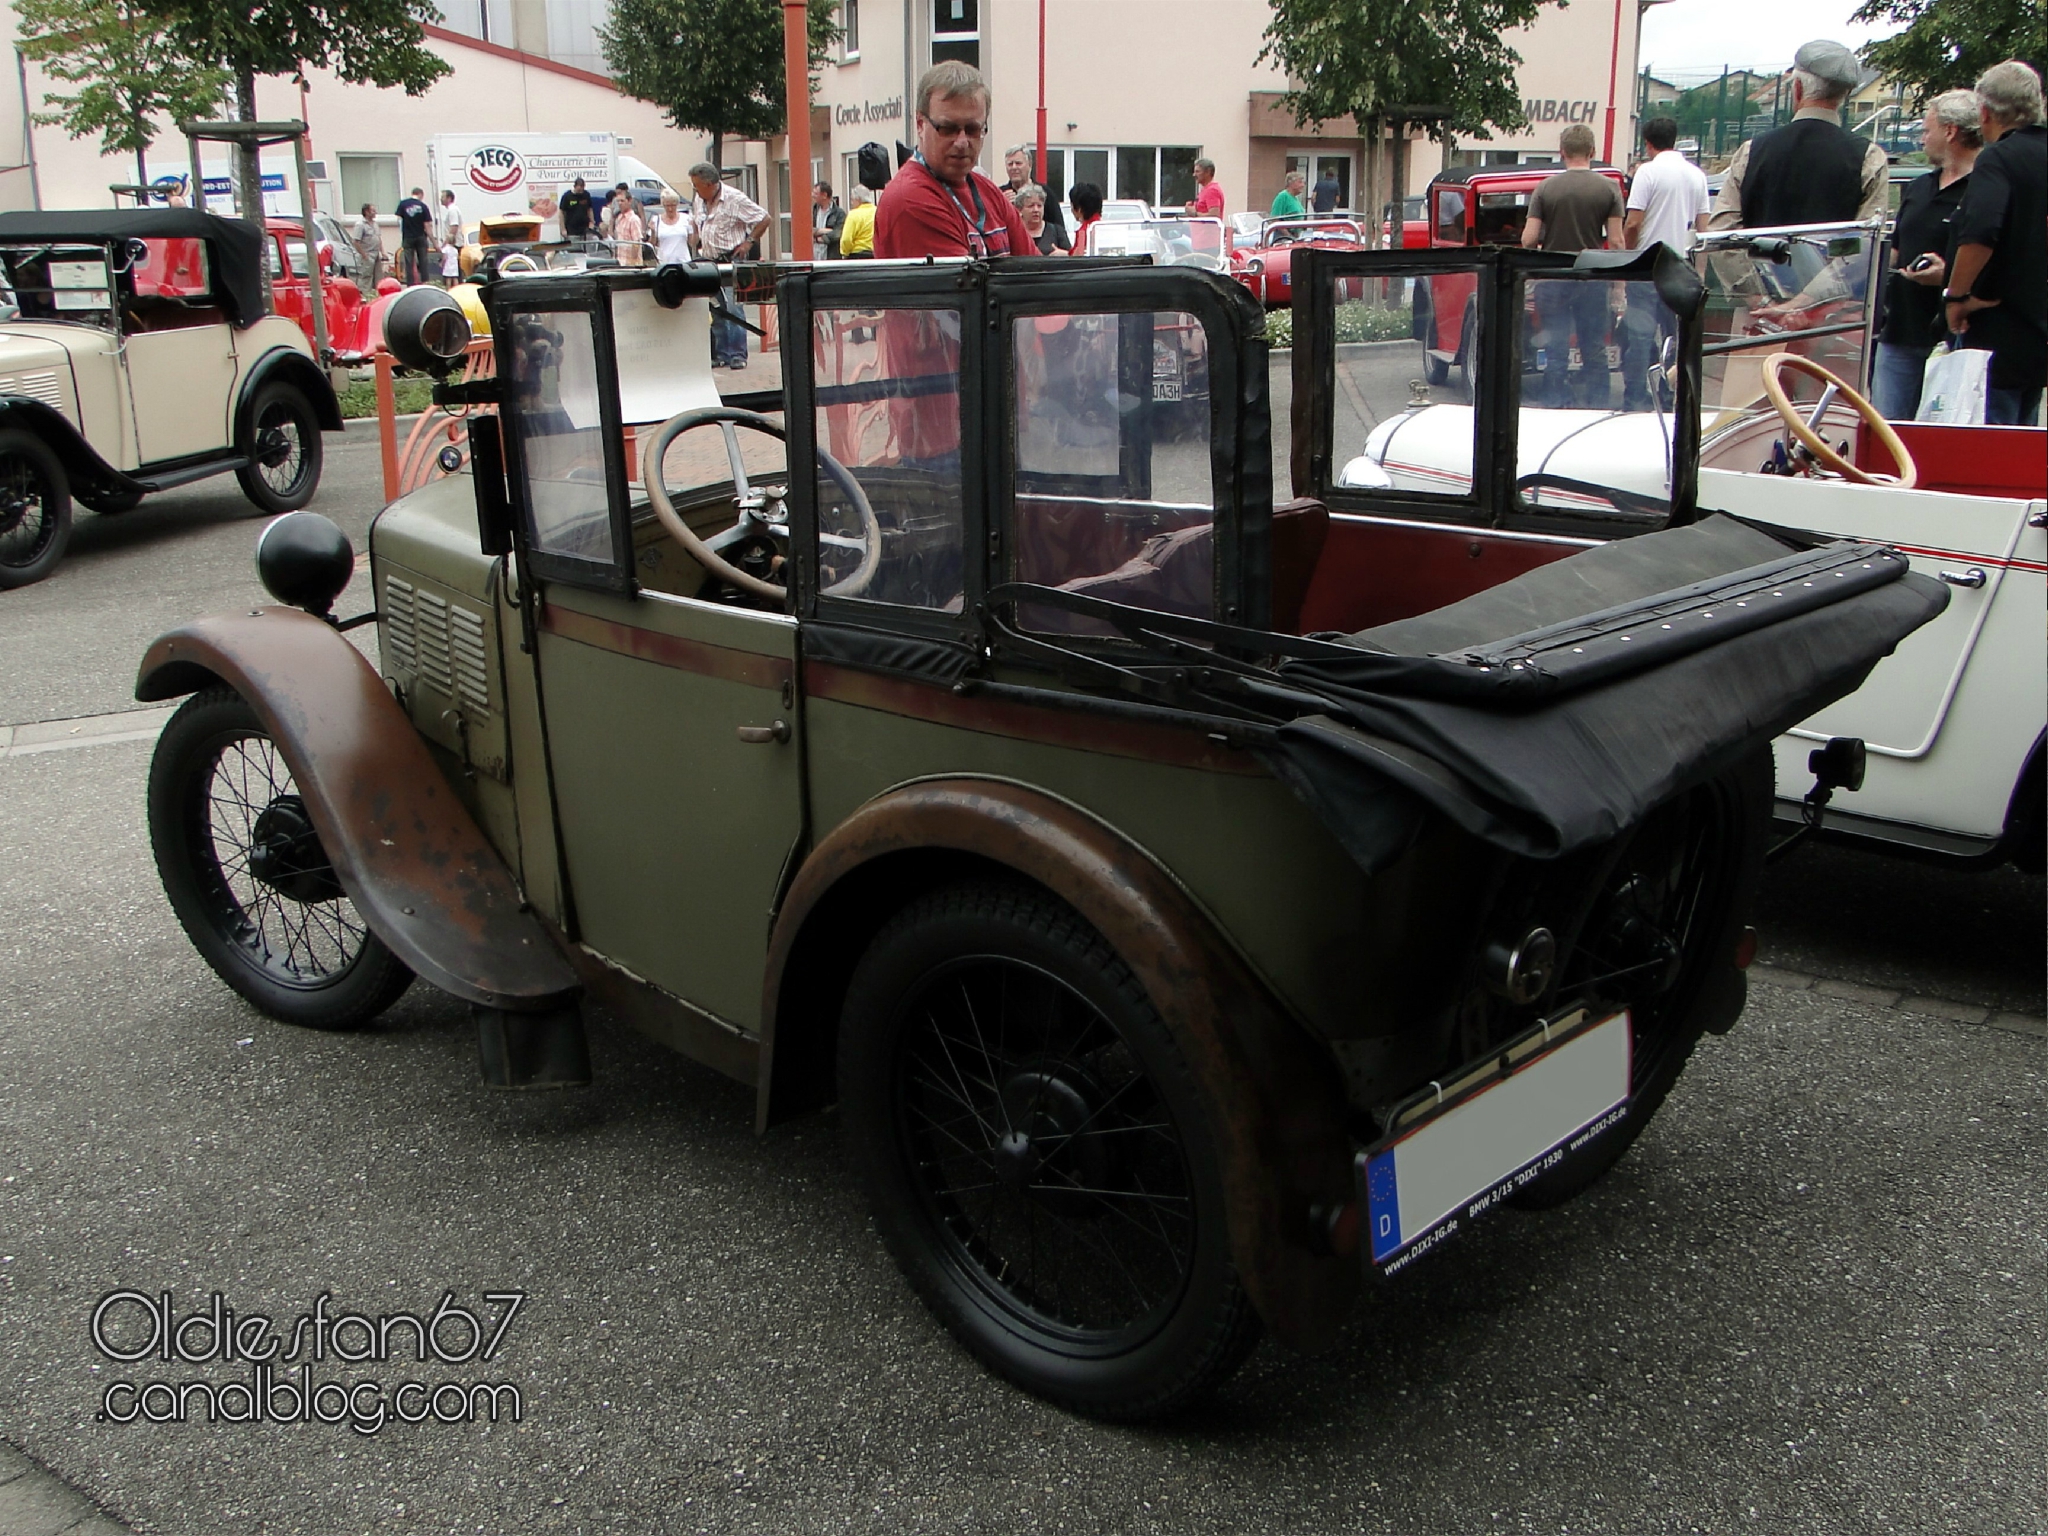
(1871, 829)
(185, 474)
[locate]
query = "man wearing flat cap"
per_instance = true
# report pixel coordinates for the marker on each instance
(1812, 170)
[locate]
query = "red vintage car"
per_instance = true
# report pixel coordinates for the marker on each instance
(1472, 206)
(351, 334)
(1264, 268)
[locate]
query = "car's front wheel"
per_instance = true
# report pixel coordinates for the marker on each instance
(1038, 1155)
(283, 449)
(248, 879)
(35, 509)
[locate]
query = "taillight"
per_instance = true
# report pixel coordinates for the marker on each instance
(1745, 949)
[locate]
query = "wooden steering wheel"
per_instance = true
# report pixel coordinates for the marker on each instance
(1823, 454)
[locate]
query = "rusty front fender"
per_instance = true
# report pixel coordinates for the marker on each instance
(1274, 1098)
(404, 847)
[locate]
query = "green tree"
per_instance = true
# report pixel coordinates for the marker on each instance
(366, 42)
(1947, 44)
(129, 74)
(1446, 63)
(715, 66)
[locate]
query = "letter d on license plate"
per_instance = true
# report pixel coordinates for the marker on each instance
(1498, 1124)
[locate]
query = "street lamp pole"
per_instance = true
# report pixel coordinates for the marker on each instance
(796, 65)
(1038, 165)
(1613, 79)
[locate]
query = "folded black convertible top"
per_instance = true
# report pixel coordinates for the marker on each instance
(1615, 678)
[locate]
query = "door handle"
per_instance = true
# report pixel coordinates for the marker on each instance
(761, 735)
(1973, 577)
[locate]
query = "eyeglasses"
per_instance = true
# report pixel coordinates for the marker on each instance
(956, 130)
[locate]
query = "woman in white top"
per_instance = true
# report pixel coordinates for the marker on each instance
(671, 231)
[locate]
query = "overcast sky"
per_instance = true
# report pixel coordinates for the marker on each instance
(1699, 36)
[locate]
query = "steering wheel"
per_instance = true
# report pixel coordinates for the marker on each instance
(1774, 387)
(518, 261)
(763, 510)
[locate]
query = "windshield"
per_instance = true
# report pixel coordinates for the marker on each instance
(1327, 231)
(1807, 289)
(1169, 242)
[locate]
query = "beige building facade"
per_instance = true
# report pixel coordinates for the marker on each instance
(1135, 90)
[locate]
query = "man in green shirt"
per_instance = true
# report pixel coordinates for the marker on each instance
(1288, 205)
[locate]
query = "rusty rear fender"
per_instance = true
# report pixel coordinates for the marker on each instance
(1275, 1097)
(404, 846)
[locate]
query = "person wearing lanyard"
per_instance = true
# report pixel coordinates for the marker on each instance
(939, 204)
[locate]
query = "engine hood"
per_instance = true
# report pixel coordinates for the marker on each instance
(36, 361)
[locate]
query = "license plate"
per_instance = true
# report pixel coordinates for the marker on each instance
(1166, 389)
(1459, 1149)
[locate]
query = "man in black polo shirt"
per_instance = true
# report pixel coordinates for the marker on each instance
(418, 262)
(1812, 170)
(575, 210)
(1996, 295)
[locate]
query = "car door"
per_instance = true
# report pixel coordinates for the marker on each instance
(674, 738)
(177, 352)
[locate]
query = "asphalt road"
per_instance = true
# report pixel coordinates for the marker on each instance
(1809, 1300)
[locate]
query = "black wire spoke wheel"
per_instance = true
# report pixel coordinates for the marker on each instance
(35, 509)
(248, 878)
(1044, 1155)
(283, 448)
(1660, 939)
(1036, 1153)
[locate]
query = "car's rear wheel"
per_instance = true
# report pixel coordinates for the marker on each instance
(1038, 1156)
(248, 879)
(283, 448)
(1661, 937)
(35, 509)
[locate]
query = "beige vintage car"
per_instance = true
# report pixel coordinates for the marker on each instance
(144, 355)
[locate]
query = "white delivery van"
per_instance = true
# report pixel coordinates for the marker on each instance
(523, 175)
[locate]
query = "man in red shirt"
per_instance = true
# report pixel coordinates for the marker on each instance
(939, 204)
(1208, 203)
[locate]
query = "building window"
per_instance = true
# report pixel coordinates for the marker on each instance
(849, 30)
(1162, 175)
(369, 179)
(783, 207)
(956, 31)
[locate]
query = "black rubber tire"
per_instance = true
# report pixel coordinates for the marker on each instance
(1073, 1021)
(1734, 812)
(35, 509)
(1468, 339)
(112, 504)
(1435, 370)
(286, 483)
(216, 777)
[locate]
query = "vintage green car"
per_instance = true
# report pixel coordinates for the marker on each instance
(961, 760)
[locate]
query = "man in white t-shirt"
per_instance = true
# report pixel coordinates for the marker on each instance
(1667, 202)
(451, 221)
(1668, 199)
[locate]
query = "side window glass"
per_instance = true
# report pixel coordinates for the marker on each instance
(891, 523)
(1406, 359)
(1803, 293)
(1596, 400)
(1450, 218)
(1114, 494)
(554, 400)
(1500, 218)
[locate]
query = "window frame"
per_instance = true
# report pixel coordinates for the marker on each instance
(590, 298)
(879, 286)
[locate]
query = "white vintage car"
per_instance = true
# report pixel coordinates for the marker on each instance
(1954, 721)
(144, 355)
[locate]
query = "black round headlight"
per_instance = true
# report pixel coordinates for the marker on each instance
(305, 561)
(426, 329)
